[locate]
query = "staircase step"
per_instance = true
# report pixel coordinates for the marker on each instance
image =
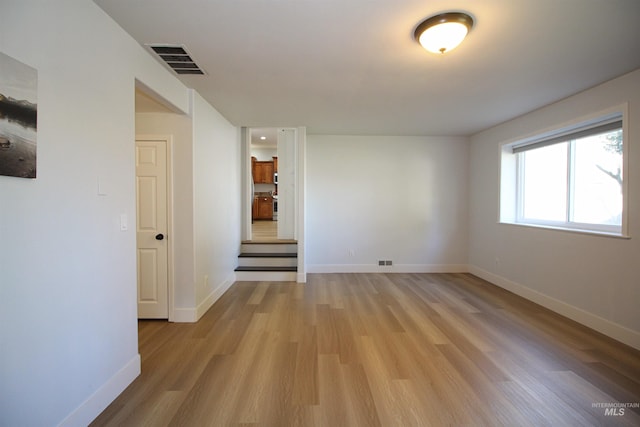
(271, 247)
(268, 255)
(275, 261)
(266, 276)
(246, 260)
(267, 268)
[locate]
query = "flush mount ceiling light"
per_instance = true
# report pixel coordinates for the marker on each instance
(442, 33)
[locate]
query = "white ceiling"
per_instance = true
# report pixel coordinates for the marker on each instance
(353, 67)
(270, 137)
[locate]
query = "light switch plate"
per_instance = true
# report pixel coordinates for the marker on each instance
(102, 187)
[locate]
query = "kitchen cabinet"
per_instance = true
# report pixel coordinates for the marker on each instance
(275, 164)
(263, 207)
(254, 208)
(262, 171)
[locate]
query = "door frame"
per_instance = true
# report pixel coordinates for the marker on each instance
(247, 192)
(168, 139)
(247, 196)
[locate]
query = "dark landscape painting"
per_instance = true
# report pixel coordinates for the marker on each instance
(18, 118)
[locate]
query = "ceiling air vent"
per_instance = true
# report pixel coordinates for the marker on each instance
(177, 58)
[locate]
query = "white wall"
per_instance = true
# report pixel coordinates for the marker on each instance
(288, 169)
(264, 154)
(179, 128)
(386, 198)
(68, 330)
(217, 201)
(593, 279)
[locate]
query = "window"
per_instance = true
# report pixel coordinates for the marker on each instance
(570, 179)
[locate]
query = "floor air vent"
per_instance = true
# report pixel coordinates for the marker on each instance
(177, 58)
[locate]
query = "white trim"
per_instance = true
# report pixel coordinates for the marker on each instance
(170, 228)
(397, 268)
(624, 225)
(96, 403)
(214, 296)
(550, 226)
(604, 326)
(192, 315)
(301, 136)
(184, 315)
(247, 192)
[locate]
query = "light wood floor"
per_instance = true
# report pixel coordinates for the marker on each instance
(377, 350)
(262, 230)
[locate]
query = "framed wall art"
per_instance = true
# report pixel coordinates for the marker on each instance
(18, 118)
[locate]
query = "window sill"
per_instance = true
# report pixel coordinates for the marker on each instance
(569, 230)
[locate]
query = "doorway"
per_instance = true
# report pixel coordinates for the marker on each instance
(272, 176)
(156, 122)
(264, 164)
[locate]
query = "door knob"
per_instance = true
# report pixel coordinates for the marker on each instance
(159, 236)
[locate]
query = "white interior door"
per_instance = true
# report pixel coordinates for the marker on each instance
(151, 228)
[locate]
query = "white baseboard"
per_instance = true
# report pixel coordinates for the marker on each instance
(84, 414)
(214, 296)
(301, 277)
(192, 315)
(396, 268)
(604, 326)
(184, 315)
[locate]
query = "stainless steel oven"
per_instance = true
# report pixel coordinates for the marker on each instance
(275, 208)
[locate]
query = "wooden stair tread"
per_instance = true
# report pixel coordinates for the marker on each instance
(266, 268)
(268, 255)
(270, 242)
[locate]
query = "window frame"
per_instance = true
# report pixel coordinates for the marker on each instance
(511, 210)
